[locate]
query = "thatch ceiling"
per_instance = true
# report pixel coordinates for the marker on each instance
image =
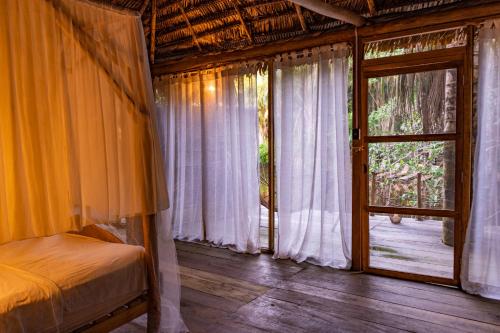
(191, 27)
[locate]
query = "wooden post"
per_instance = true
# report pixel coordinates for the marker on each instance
(419, 194)
(154, 294)
(450, 164)
(373, 191)
(270, 119)
(357, 160)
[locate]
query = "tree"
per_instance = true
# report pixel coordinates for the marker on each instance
(450, 105)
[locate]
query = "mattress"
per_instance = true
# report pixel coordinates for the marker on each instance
(81, 278)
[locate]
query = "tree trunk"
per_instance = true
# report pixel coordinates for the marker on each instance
(431, 101)
(449, 155)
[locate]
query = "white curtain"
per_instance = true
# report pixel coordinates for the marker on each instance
(209, 138)
(481, 259)
(313, 156)
(78, 137)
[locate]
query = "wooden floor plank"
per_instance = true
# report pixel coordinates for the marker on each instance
(356, 312)
(284, 316)
(220, 285)
(260, 272)
(205, 319)
(189, 296)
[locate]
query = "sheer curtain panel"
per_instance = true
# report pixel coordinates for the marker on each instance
(209, 133)
(313, 156)
(481, 258)
(78, 134)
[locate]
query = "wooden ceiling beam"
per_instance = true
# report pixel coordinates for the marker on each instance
(164, 24)
(232, 25)
(154, 7)
(335, 12)
(303, 23)
(193, 34)
(144, 5)
(372, 8)
(243, 23)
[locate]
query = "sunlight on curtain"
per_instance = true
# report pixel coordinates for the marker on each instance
(313, 156)
(78, 137)
(481, 259)
(210, 141)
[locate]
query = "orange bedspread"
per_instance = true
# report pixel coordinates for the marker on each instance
(72, 279)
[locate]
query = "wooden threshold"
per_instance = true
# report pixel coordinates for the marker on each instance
(411, 211)
(412, 276)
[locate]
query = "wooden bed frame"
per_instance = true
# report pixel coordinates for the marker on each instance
(118, 317)
(149, 302)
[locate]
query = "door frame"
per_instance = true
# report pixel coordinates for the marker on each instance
(461, 59)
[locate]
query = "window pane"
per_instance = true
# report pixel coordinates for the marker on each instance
(412, 244)
(415, 103)
(412, 174)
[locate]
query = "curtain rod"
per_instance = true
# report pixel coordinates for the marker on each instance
(264, 59)
(260, 64)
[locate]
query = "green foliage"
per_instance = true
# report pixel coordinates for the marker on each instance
(378, 119)
(263, 154)
(396, 165)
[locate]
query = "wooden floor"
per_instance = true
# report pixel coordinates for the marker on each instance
(411, 246)
(223, 291)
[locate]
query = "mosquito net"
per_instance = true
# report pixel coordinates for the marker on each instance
(78, 139)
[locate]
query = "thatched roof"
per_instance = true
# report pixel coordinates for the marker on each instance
(191, 27)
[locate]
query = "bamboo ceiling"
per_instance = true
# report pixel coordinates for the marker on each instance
(184, 28)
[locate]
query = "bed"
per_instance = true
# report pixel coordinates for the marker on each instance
(68, 282)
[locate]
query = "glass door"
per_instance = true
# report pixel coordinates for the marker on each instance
(412, 134)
